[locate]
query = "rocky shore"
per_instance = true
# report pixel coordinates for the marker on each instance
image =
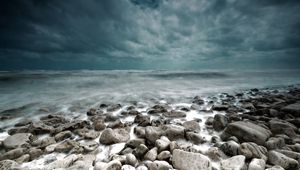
(257, 129)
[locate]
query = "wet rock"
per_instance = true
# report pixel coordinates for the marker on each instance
(280, 159)
(220, 122)
(252, 150)
(247, 132)
(235, 162)
(192, 126)
(196, 138)
(87, 133)
(158, 109)
(153, 133)
(209, 121)
(131, 159)
(50, 148)
(248, 106)
(112, 136)
(257, 164)
(282, 127)
(140, 151)
(94, 111)
(12, 154)
(50, 121)
(89, 146)
(77, 124)
(174, 114)
(162, 144)
(67, 146)
(35, 153)
(133, 143)
(42, 143)
(275, 143)
(292, 109)
(23, 122)
(63, 135)
(63, 163)
(99, 124)
(180, 160)
(164, 155)
(198, 100)
(9, 164)
(220, 107)
(173, 132)
(151, 154)
(142, 120)
(18, 140)
(139, 131)
(21, 129)
(114, 107)
(116, 124)
(109, 117)
(230, 148)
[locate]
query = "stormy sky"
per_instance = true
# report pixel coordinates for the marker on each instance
(149, 34)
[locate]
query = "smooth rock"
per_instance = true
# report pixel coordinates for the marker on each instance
(131, 159)
(112, 165)
(257, 164)
(174, 114)
(153, 133)
(151, 154)
(230, 148)
(12, 154)
(282, 127)
(164, 155)
(220, 122)
(247, 132)
(195, 161)
(196, 138)
(133, 143)
(127, 167)
(142, 120)
(173, 132)
(233, 163)
(280, 159)
(140, 151)
(99, 124)
(162, 144)
(276, 167)
(63, 163)
(293, 109)
(35, 153)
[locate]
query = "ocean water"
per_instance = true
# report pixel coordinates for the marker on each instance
(30, 93)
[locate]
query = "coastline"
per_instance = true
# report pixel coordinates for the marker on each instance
(255, 128)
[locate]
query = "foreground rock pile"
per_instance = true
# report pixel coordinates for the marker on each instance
(255, 130)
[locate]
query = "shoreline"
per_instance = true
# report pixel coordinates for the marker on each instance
(258, 128)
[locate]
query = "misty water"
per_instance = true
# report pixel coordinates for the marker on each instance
(75, 91)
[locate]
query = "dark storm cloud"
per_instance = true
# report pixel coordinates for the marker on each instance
(120, 34)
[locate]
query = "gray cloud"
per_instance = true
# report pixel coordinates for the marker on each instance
(125, 34)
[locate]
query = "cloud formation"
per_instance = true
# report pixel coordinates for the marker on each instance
(150, 34)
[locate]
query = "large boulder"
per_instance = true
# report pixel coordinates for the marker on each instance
(190, 161)
(112, 136)
(293, 109)
(282, 127)
(247, 132)
(17, 140)
(280, 159)
(236, 163)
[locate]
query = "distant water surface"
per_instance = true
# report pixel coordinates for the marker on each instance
(74, 91)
